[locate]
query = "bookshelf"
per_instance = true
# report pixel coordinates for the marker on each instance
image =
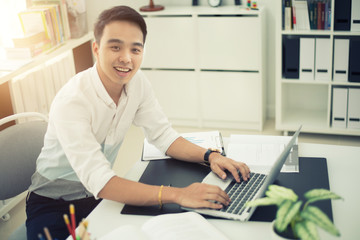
(309, 102)
(81, 58)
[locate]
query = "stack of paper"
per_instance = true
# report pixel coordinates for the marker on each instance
(211, 139)
(260, 152)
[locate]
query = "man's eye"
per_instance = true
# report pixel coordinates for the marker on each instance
(115, 48)
(136, 50)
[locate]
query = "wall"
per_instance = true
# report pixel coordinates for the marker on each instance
(95, 7)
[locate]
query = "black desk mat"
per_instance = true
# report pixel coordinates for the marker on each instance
(312, 174)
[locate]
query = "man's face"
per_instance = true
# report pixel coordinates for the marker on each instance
(120, 52)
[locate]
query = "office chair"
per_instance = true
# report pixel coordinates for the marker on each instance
(20, 146)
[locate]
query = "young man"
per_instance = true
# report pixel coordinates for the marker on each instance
(88, 120)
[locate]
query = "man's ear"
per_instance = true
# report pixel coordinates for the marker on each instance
(95, 49)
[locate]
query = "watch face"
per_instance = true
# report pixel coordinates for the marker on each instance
(214, 3)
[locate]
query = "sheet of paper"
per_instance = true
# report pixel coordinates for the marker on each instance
(176, 226)
(211, 139)
(181, 226)
(260, 152)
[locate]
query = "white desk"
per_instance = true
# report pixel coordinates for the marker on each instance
(343, 166)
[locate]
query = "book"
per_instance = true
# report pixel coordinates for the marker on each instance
(62, 11)
(260, 152)
(288, 16)
(210, 139)
(302, 15)
(37, 20)
(176, 226)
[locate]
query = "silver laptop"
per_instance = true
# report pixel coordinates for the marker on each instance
(242, 192)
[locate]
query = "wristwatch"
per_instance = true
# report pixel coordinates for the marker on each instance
(207, 155)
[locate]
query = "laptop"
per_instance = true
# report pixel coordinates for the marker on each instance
(242, 192)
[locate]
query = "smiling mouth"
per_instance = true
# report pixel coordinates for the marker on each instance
(123, 70)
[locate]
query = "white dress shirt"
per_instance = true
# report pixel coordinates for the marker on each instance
(86, 129)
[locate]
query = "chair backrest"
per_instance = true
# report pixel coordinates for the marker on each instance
(20, 146)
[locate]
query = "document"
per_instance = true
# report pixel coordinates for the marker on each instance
(260, 152)
(210, 139)
(176, 226)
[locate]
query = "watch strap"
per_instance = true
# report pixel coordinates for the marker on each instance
(207, 155)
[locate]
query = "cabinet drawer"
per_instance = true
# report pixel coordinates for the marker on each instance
(231, 96)
(176, 92)
(230, 43)
(170, 43)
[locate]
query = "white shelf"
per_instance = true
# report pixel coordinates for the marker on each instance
(66, 46)
(307, 102)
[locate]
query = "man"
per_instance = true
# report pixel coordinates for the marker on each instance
(88, 120)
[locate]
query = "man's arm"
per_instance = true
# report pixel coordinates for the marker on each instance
(196, 195)
(184, 150)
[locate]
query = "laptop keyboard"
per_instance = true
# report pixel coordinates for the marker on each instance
(242, 192)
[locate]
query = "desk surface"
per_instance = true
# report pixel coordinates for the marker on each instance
(343, 164)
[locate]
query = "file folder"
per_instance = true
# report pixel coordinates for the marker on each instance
(322, 59)
(339, 107)
(354, 60)
(291, 47)
(341, 60)
(307, 58)
(342, 15)
(355, 16)
(353, 118)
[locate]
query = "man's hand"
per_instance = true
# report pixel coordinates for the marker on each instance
(219, 164)
(201, 195)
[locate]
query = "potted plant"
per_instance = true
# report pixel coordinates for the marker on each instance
(295, 217)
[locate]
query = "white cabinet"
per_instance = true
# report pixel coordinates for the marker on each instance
(206, 65)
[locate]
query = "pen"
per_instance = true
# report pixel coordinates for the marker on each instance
(222, 145)
(72, 215)
(47, 233)
(41, 236)
(66, 218)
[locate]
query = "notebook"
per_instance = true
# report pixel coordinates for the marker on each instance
(242, 192)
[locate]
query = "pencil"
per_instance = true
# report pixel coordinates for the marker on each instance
(47, 233)
(72, 215)
(66, 218)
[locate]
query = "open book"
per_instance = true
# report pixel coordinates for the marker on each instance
(210, 139)
(176, 226)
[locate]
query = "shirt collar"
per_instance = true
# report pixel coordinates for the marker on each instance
(100, 88)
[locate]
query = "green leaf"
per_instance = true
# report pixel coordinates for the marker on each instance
(276, 191)
(286, 213)
(306, 230)
(320, 194)
(263, 202)
(315, 215)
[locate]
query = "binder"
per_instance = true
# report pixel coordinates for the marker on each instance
(291, 54)
(307, 58)
(353, 117)
(341, 60)
(322, 59)
(339, 107)
(342, 15)
(354, 60)
(355, 16)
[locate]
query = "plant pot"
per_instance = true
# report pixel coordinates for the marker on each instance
(287, 235)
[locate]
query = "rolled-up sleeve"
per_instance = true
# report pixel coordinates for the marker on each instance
(151, 117)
